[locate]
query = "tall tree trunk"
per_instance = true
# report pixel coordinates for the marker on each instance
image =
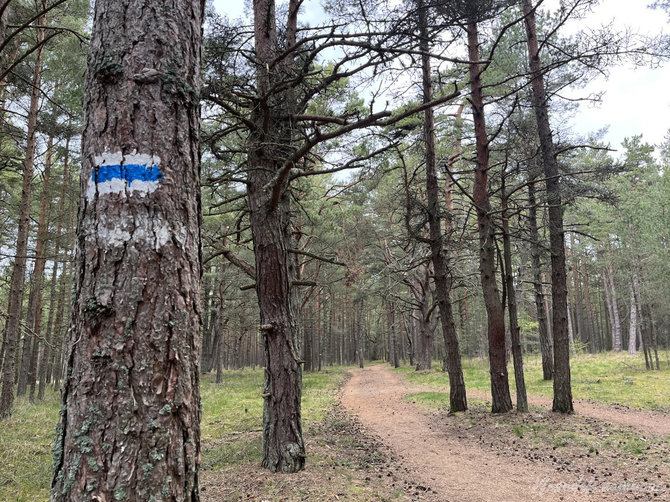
(495, 314)
(517, 350)
(34, 317)
(618, 340)
(546, 348)
(270, 143)
(632, 326)
(12, 330)
(45, 356)
(590, 325)
(443, 281)
(562, 387)
(130, 415)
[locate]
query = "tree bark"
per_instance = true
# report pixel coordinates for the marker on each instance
(12, 330)
(546, 349)
(269, 144)
(443, 281)
(618, 339)
(34, 317)
(517, 350)
(562, 387)
(632, 327)
(590, 325)
(495, 314)
(45, 356)
(130, 415)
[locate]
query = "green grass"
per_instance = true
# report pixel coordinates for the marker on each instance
(609, 378)
(26, 439)
(231, 426)
(232, 413)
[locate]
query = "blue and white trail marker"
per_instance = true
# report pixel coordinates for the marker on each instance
(124, 174)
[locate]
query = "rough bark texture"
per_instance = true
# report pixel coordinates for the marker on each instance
(443, 281)
(632, 326)
(534, 235)
(562, 386)
(269, 145)
(12, 329)
(130, 417)
(501, 400)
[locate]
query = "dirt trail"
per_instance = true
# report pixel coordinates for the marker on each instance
(455, 469)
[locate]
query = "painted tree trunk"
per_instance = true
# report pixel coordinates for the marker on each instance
(501, 400)
(546, 348)
(562, 386)
(443, 281)
(13, 328)
(130, 415)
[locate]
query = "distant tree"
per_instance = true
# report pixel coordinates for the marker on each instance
(129, 421)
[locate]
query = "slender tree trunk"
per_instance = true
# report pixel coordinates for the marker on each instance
(546, 348)
(590, 325)
(517, 350)
(130, 415)
(615, 310)
(45, 356)
(443, 281)
(495, 314)
(12, 330)
(34, 317)
(562, 386)
(632, 327)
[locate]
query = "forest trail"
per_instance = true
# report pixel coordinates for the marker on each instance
(453, 466)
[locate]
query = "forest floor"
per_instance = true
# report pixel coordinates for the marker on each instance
(601, 453)
(383, 434)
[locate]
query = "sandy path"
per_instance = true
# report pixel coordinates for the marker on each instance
(457, 470)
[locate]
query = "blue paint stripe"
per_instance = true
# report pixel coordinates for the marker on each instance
(128, 172)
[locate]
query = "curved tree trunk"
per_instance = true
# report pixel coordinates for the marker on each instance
(562, 387)
(130, 415)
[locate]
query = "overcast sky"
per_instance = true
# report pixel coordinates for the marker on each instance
(636, 100)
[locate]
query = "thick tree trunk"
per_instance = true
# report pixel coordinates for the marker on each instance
(130, 414)
(562, 386)
(13, 329)
(270, 144)
(443, 281)
(495, 314)
(517, 350)
(546, 349)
